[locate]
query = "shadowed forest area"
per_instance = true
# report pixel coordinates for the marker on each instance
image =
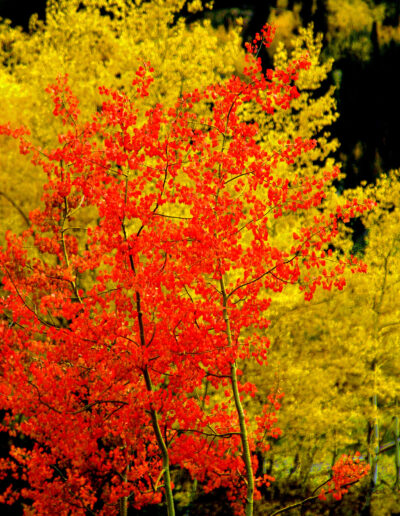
(329, 384)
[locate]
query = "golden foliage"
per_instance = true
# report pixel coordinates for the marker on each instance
(97, 49)
(349, 26)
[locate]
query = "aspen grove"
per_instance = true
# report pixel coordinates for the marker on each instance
(142, 285)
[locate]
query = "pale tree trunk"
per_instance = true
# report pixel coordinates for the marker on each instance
(240, 412)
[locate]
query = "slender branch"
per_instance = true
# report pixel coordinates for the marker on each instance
(280, 279)
(34, 312)
(309, 499)
(18, 208)
(254, 280)
(293, 506)
(79, 411)
(218, 375)
(64, 247)
(41, 400)
(172, 216)
(206, 434)
(251, 222)
(239, 409)
(98, 402)
(236, 177)
(75, 209)
(158, 479)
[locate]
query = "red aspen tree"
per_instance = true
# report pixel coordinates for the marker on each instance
(112, 332)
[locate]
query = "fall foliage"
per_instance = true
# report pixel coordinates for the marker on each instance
(110, 338)
(181, 213)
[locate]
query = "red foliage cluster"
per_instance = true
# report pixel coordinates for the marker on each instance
(111, 332)
(346, 471)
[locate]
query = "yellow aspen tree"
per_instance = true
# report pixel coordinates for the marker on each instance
(336, 358)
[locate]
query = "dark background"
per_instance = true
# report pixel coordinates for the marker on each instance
(19, 11)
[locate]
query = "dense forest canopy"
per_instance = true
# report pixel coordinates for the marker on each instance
(329, 383)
